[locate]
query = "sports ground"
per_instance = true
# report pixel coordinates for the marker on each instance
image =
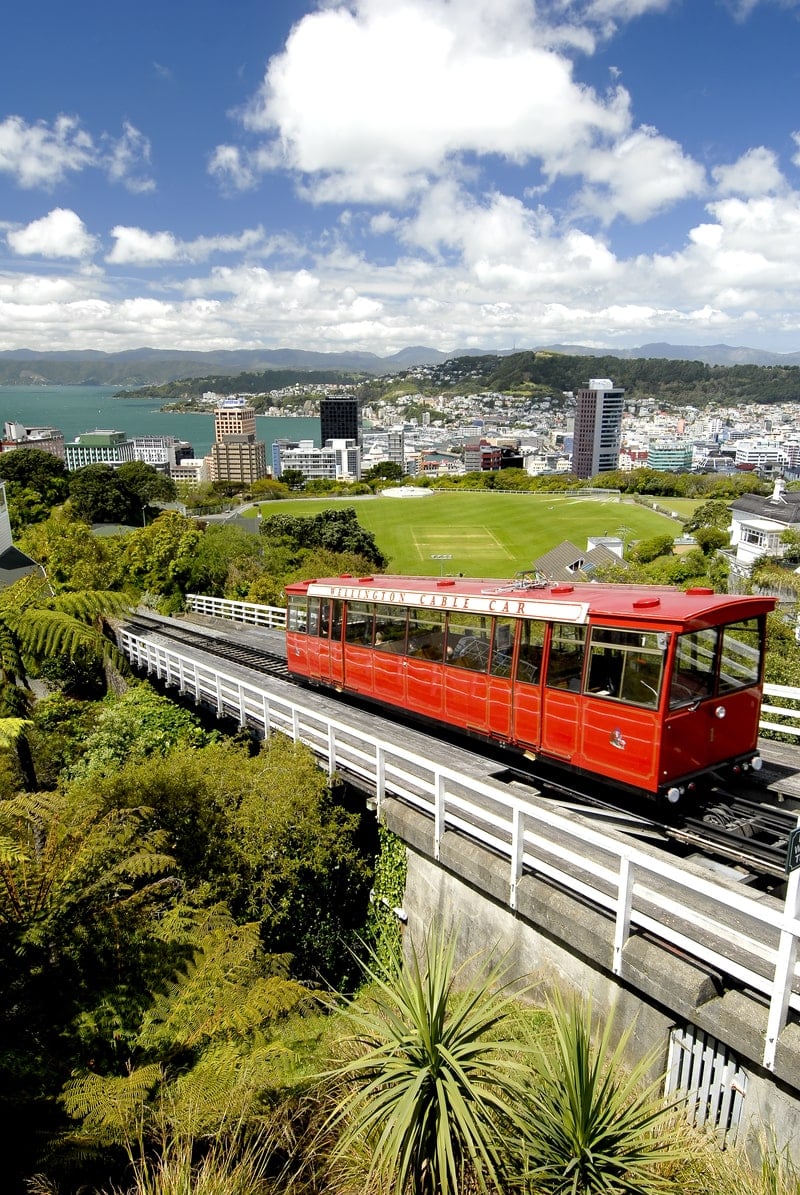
(485, 534)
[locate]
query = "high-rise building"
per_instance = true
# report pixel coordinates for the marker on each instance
(340, 419)
(598, 428)
(233, 417)
(236, 455)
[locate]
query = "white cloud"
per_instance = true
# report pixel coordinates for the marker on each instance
(61, 233)
(42, 155)
(136, 246)
(755, 173)
(126, 156)
(640, 175)
(345, 111)
(230, 166)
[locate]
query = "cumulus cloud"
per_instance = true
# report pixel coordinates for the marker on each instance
(41, 154)
(61, 233)
(639, 175)
(341, 107)
(755, 173)
(44, 155)
(136, 246)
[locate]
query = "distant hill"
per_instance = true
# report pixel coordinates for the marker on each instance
(145, 366)
(142, 367)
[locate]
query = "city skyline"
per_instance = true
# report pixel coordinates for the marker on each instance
(491, 174)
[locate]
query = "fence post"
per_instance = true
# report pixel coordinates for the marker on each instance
(517, 851)
(784, 970)
(380, 778)
(624, 906)
(439, 816)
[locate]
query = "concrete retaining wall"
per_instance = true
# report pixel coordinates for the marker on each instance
(553, 940)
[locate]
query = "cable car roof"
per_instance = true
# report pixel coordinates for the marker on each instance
(531, 596)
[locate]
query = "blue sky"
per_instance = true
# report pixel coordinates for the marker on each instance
(488, 174)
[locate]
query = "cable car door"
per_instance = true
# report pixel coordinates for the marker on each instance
(561, 700)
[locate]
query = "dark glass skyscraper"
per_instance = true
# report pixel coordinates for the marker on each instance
(339, 419)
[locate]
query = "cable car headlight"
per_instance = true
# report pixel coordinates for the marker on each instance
(720, 711)
(674, 795)
(756, 763)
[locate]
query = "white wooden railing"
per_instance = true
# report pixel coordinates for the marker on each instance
(274, 617)
(751, 940)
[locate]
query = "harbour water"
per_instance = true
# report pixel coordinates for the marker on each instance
(77, 409)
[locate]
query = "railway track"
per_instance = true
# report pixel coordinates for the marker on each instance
(748, 829)
(268, 662)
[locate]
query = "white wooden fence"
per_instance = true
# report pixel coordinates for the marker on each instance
(751, 940)
(784, 717)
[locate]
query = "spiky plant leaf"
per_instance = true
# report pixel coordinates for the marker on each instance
(436, 1086)
(593, 1123)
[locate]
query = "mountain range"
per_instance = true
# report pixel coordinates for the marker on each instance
(140, 367)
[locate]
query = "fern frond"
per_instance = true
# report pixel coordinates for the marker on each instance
(11, 729)
(110, 1108)
(90, 606)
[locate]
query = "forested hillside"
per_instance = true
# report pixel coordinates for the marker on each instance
(681, 382)
(533, 373)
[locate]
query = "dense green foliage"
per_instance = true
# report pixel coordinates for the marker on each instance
(336, 530)
(537, 373)
(592, 1126)
(100, 494)
(668, 380)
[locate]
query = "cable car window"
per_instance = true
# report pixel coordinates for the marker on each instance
(314, 619)
(531, 648)
(297, 614)
(358, 627)
(336, 620)
(694, 667)
(468, 640)
(740, 657)
(426, 635)
(503, 646)
(565, 663)
(390, 628)
(626, 665)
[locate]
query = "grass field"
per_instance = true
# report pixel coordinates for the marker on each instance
(484, 534)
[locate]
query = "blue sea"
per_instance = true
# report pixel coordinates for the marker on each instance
(77, 409)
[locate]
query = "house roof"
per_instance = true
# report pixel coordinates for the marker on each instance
(567, 562)
(14, 565)
(785, 513)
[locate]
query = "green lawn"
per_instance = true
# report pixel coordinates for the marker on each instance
(484, 534)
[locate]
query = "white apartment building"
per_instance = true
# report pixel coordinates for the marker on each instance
(338, 460)
(160, 452)
(765, 456)
(193, 471)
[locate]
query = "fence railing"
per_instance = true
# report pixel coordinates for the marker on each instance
(749, 939)
(784, 717)
(272, 617)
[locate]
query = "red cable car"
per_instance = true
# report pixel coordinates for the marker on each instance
(650, 688)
